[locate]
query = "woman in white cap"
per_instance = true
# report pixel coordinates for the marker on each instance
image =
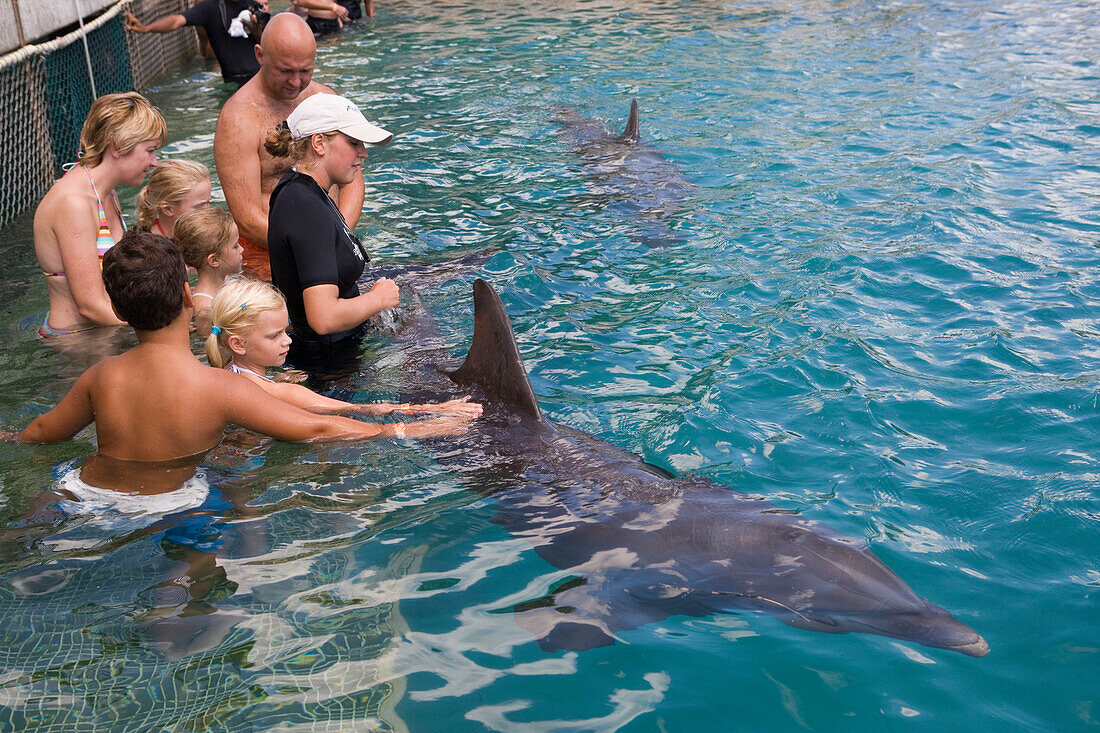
(316, 259)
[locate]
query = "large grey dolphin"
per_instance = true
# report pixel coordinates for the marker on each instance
(627, 176)
(639, 544)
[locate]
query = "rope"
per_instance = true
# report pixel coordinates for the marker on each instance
(87, 53)
(46, 90)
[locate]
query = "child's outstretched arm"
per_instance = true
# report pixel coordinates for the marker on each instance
(459, 406)
(69, 417)
(283, 421)
(305, 398)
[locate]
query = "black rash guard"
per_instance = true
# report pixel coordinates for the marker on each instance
(236, 56)
(310, 244)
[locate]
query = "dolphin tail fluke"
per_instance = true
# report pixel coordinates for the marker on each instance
(493, 362)
(630, 134)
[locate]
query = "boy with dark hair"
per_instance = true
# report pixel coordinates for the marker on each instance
(140, 275)
(157, 402)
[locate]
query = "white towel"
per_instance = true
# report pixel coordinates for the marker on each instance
(236, 28)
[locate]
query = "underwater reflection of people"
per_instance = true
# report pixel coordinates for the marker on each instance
(77, 352)
(172, 500)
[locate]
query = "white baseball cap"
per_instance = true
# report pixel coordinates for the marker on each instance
(330, 113)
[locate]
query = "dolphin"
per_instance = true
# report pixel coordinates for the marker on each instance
(627, 176)
(637, 544)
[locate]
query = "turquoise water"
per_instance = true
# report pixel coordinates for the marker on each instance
(872, 300)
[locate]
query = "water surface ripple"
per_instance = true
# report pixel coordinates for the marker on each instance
(872, 300)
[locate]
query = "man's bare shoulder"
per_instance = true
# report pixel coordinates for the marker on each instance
(243, 105)
(315, 87)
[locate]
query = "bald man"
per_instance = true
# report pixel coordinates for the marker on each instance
(248, 174)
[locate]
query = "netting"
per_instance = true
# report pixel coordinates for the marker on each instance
(151, 54)
(26, 150)
(69, 88)
(45, 92)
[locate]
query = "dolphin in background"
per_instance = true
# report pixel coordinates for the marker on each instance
(627, 176)
(639, 545)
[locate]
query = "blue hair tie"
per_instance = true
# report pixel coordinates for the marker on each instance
(215, 330)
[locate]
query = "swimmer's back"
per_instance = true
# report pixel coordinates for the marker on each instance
(149, 406)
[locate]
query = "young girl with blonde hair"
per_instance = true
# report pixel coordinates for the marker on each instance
(208, 240)
(249, 335)
(174, 188)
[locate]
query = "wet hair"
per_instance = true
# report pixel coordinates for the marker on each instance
(119, 121)
(279, 143)
(235, 311)
(144, 276)
(170, 182)
(203, 232)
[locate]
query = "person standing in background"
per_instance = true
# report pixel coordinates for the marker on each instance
(247, 172)
(230, 35)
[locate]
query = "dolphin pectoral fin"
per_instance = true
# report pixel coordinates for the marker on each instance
(574, 637)
(822, 625)
(563, 628)
(565, 619)
(493, 362)
(630, 134)
(548, 600)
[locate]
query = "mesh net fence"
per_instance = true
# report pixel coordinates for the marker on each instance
(26, 149)
(152, 54)
(46, 91)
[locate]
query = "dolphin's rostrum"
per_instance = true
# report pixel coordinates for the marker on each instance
(640, 545)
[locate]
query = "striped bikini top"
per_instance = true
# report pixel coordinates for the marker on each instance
(103, 240)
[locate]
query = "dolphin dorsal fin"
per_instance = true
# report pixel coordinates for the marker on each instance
(630, 134)
(493, 362)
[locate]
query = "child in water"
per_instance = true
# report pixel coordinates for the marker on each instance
(208, 240)
(174, 188)
(249, 323)
(144, 403)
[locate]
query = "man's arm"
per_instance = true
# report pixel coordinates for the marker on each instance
(69, 417)
(324, 5)
(237, 161)
(165, 25)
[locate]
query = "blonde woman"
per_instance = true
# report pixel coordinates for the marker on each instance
(249, 336)
(79, 218)
(174, 188)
